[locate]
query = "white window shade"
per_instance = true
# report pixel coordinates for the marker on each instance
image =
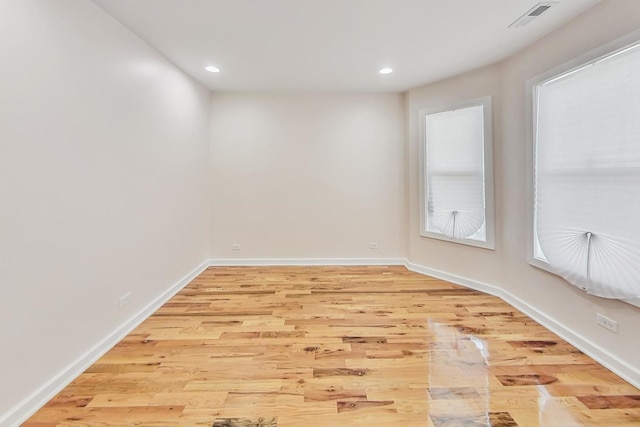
(587, 175)
(454, 178)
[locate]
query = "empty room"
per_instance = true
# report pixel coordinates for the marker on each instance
(279, 213)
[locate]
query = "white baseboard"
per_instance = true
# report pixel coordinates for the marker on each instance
(620, 367)
(224, 262)
(38, 398)
(458, 280)
(28, 406)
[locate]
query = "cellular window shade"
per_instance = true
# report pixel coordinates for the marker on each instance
(588, 175)
(454, 142)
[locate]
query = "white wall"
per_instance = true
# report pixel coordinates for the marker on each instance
(307, 175)
(103, 175)
(507, 267)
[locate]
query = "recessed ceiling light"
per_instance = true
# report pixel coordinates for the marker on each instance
(385, 71)
(212, 69)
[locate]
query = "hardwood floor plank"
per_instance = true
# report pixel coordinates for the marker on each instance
(240, 422)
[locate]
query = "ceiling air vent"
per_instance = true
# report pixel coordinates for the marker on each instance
(532, 14)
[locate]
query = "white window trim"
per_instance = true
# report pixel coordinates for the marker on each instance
(572, 65)
(486, 103)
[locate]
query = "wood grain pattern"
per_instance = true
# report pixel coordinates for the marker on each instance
(340, 346)
(239, 422)
(607, 402)
(493, 419)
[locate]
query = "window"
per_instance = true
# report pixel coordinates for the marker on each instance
(456, 174)
(586, 219)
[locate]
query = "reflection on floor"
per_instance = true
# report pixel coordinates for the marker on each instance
(340, 346)
(467, 361)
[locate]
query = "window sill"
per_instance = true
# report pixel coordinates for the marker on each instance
(467, 242)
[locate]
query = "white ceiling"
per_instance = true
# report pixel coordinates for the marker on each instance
(334, 45)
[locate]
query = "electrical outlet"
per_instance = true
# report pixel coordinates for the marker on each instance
(235, 247)
(607, 323)
(373, 245)
(124, 299)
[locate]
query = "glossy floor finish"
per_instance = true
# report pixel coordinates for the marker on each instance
(340, 346)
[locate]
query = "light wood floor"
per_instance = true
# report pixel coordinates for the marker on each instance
(340, 346)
